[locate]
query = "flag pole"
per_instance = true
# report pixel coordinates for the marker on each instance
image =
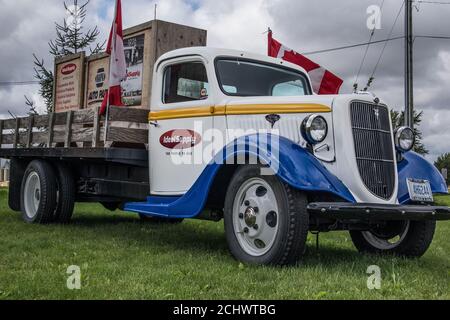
(109, 80)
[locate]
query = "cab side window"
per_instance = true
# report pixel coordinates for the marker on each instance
(185, 82)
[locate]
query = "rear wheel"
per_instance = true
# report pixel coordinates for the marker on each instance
(403, 238)
(266, 221)
(65, 194)
(17, 170)
(38, 193)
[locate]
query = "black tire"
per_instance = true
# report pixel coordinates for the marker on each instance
(293, 219)
(66, 194)
(415, 243)
(157, 220)
(46, 197)
(17, 170)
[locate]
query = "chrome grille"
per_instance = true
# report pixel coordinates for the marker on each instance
(373, 147)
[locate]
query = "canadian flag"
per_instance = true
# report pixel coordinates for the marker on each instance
(323, 81)
(117, 64)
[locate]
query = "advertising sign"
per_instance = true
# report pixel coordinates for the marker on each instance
(69, 73)
(97, 81)
(134, 56)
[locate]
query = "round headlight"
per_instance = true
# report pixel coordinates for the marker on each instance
(314, 129)
(404, 138)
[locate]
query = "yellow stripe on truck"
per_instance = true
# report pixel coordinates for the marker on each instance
(245, 109)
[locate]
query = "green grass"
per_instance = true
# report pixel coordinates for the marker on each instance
(122, 258)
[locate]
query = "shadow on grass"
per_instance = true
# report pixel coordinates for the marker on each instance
(207, 239)
(198, 238)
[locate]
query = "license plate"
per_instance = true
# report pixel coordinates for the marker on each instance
(420, 190)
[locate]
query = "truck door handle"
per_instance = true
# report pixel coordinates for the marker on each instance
(155, 124)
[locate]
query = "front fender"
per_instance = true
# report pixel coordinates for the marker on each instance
(416, 167)
(293, 164)
(290, 162)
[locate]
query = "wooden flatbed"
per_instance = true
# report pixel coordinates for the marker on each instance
(108, 157)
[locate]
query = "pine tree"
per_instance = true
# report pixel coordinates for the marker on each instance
(71, 38)
(443, 162)
(398, 121)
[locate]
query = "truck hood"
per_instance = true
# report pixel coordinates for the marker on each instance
(325, 100)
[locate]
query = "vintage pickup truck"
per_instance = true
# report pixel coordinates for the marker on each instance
(240, 137)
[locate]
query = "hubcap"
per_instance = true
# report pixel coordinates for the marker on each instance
(250, 217)
(387, 239)
(255, 212)
(32, 194)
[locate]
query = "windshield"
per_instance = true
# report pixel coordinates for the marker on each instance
(253, 79)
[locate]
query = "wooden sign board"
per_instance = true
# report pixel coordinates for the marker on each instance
(68, 87)
(97, 76)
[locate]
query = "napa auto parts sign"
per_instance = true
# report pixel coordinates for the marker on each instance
(68, 84)
(180, 139)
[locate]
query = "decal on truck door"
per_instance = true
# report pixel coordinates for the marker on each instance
(180, 139)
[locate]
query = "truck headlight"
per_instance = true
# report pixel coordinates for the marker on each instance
(404, 139)
(314, 129)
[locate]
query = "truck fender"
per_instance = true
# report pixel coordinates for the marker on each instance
(293, 165)
(416, 167)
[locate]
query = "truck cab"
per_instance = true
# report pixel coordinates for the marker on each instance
(242, 138)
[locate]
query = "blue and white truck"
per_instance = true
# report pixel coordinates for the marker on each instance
(239, 137)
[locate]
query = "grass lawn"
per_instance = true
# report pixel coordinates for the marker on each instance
(122, 258)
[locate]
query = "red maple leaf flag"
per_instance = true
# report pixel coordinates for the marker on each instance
(323, 81)
(117, 64)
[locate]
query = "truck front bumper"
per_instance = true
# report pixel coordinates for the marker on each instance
(377, 212)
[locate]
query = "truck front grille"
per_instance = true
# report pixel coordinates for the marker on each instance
(373, 147)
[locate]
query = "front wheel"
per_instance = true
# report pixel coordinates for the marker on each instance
(402, 238)
(266, 221)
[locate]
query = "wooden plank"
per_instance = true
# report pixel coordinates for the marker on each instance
(127, 135)
(30, 131)
(82, 134)
(41, 121)
(128, 114)
(11, 123)
(96, 129)
(59, 136)
(16, 133)
(68, 130)
(83, 116)
(1, 132)
(8, 138)
(40, 138)
(50, 130)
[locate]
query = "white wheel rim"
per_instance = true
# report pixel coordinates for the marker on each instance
(383, 244)
(32, 195)
(255, 217)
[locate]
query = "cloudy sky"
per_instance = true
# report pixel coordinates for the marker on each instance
(26, 26)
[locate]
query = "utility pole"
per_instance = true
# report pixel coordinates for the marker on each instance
(409, 71)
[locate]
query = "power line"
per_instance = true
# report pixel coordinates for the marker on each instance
(432, 2)
(384, 47)
(434, 37)
(17, 83)
(351, 46)
(372, 33)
